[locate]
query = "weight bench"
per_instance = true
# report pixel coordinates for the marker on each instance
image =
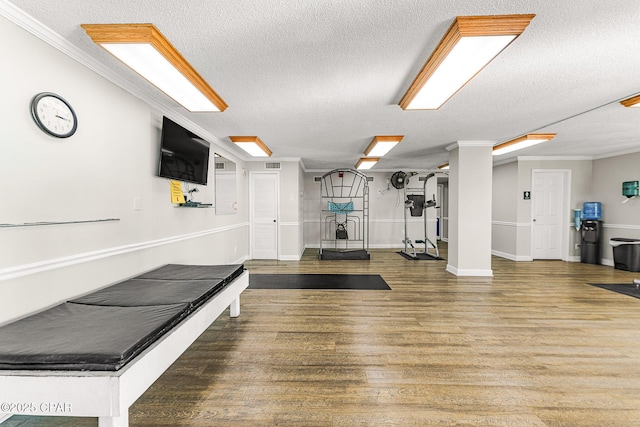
(95, 355)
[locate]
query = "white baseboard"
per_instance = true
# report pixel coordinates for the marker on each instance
(608, 262)
(469, 271)
(511, 257)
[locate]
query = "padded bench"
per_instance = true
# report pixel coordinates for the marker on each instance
(95, 355)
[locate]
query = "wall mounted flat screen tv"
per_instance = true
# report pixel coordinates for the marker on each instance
(184, 156)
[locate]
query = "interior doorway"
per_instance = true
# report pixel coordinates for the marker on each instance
(549, 213)
(263, 211)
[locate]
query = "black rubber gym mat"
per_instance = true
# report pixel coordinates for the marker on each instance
(621, 288)
(373, 282)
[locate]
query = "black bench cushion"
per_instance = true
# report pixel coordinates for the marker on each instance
(194, 272)
(84, 337)
(139, 292)
(104, 330)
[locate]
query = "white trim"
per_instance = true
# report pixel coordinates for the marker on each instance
(52, 264)
(510, 224)
(616, 153)
(511, 257)
(469, 272)
(608, 262)
(290, 224)
(621, 226)
(479, 143)
(507, 223)
(415, 220)
(293, 257)
(550, 158)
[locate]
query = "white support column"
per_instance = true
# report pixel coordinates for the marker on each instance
(470, 193)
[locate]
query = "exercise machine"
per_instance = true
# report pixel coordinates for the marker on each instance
(415, 205)
(344, 215)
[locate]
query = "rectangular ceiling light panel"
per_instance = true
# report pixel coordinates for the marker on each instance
(252, 145)
(522, 142)
(468, 46)
(381, 145)
(147, 52)
(366, 163)
(633, 102)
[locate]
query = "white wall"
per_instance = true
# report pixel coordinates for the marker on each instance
(591, 181)
(95, 174)
(620, 219)
(505, 212)
(290, 221)
(581, 185)
(386, 207)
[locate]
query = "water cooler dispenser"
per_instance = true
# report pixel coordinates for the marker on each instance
(590, 233)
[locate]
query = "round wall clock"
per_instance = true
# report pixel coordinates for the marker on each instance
(54, 115)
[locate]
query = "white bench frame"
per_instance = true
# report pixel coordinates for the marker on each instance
(108, 395)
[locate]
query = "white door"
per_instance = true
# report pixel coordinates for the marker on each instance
(547, 197)
(264, 215)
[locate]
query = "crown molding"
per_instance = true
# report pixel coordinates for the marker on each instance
(55, 40)
(479, 143)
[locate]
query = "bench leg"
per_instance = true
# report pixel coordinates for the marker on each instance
(121, 421)
(234, 308)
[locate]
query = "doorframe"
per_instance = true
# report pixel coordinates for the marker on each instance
(566, 206)
(252, 174)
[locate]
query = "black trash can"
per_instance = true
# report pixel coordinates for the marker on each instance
(626, 253)
(590, 241)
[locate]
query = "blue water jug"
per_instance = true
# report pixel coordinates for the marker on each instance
(592, 210)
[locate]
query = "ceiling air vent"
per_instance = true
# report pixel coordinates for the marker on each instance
(272, 165)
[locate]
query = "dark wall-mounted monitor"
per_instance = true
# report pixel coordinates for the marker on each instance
(184, 156)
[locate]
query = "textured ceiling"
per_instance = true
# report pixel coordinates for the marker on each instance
(318, 79)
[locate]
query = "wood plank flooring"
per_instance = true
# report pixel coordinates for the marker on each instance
(532, 346)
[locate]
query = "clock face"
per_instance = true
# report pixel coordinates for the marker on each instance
(54, 115)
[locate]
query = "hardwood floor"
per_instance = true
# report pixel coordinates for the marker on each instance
(534, 345)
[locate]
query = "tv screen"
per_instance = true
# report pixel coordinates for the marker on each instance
(184, 156)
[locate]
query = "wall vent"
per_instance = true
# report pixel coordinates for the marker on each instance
(317, 178)
(369, 178)
(220, 166)
(272, 165)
